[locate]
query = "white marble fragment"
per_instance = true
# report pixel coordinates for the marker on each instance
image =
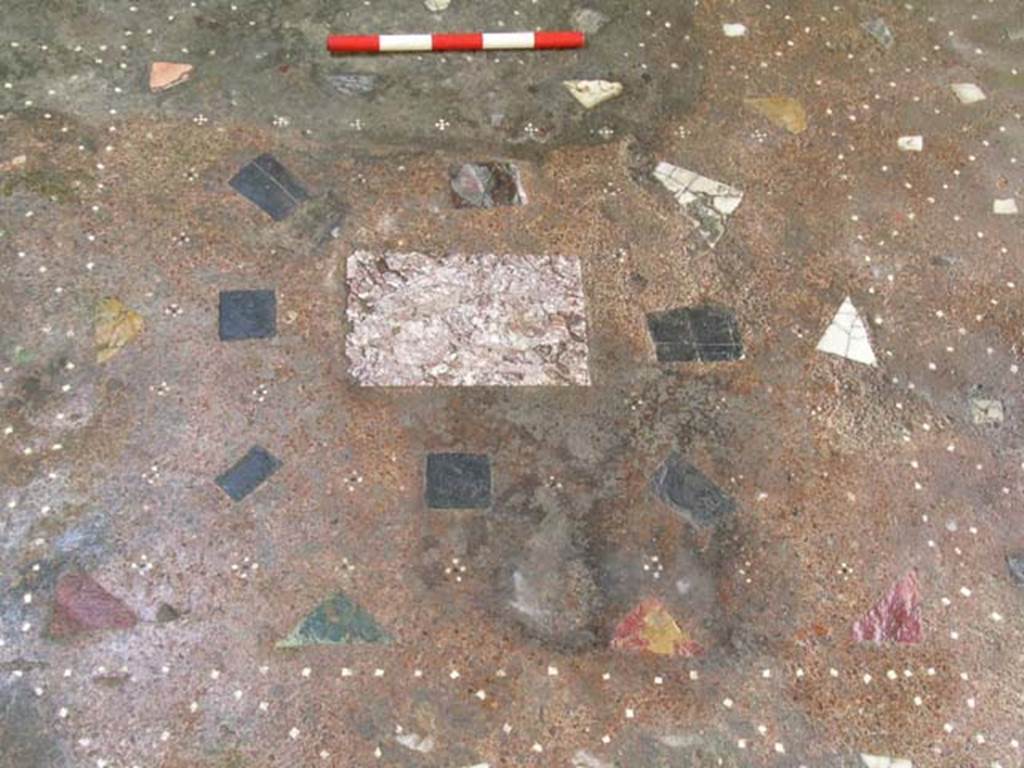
(708, 203)
(986, 411)
(968, 93)
(525, 599)
(590, 93)
(734, 30)
(436, 6)
(588, 20)
(910, 143)
(877, 761)
(583, 759)
(847, 336)
(415, 742)
(678, 740)
(466, 320)
(1004, 206)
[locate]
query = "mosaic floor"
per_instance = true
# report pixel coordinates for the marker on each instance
(650, 404)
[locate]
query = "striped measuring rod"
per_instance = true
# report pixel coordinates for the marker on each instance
(460, 41)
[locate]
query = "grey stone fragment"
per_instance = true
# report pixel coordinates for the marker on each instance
(588, 20)
(986, 411)
(554, 593)
(486, 185)
(352, 83)
(1015, 565)
(26, 739)
(683, 487)
(268, 184)
(248, 473)
(879, 30)
(167, 613)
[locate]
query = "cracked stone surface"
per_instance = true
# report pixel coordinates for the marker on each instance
(707, 203)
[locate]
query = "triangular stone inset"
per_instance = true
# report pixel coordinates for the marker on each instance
(650, 627)
(847, 336)
(336, 621)
(895, 618)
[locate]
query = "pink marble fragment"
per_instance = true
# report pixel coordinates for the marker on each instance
(167, 74)
(896, 617)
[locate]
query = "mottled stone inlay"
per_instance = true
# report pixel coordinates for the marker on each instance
(464, 320)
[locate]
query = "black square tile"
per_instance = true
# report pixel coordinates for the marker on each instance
(681, 352)
(458, 481)
(706, 334)
(685, 488)
(247, 315)
(248, 473)
(670, 326)
(268, 184)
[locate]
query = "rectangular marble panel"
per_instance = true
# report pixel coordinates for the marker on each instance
(466, 320)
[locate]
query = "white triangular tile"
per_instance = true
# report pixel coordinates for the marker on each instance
(847, 336)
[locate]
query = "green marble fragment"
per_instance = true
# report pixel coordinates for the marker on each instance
(336, 621)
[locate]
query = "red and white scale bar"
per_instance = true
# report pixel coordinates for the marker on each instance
(460, 41)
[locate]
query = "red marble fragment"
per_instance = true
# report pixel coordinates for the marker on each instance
(896, 617)
(82, 605)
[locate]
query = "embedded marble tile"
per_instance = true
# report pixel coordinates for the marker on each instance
(466, 320)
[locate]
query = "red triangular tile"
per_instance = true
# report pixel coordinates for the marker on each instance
(895, 618)
(82, 605)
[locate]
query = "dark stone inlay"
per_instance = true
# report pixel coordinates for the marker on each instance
(247, 315)
(267, 183)
(248, 473)
(1015, 564)
(706, 334)
(458, 481)
(684, 487)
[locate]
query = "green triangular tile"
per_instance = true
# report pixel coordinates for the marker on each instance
(336, 621)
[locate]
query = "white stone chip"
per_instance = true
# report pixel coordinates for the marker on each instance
(583, 759)
(968, 93)
(415, 742)
(910, 143)
(590, 93)
(847, 336)
(466, 320)
(1004, 206)
(877, 761)
(734, 30)
(436, 6)
(986, 411)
